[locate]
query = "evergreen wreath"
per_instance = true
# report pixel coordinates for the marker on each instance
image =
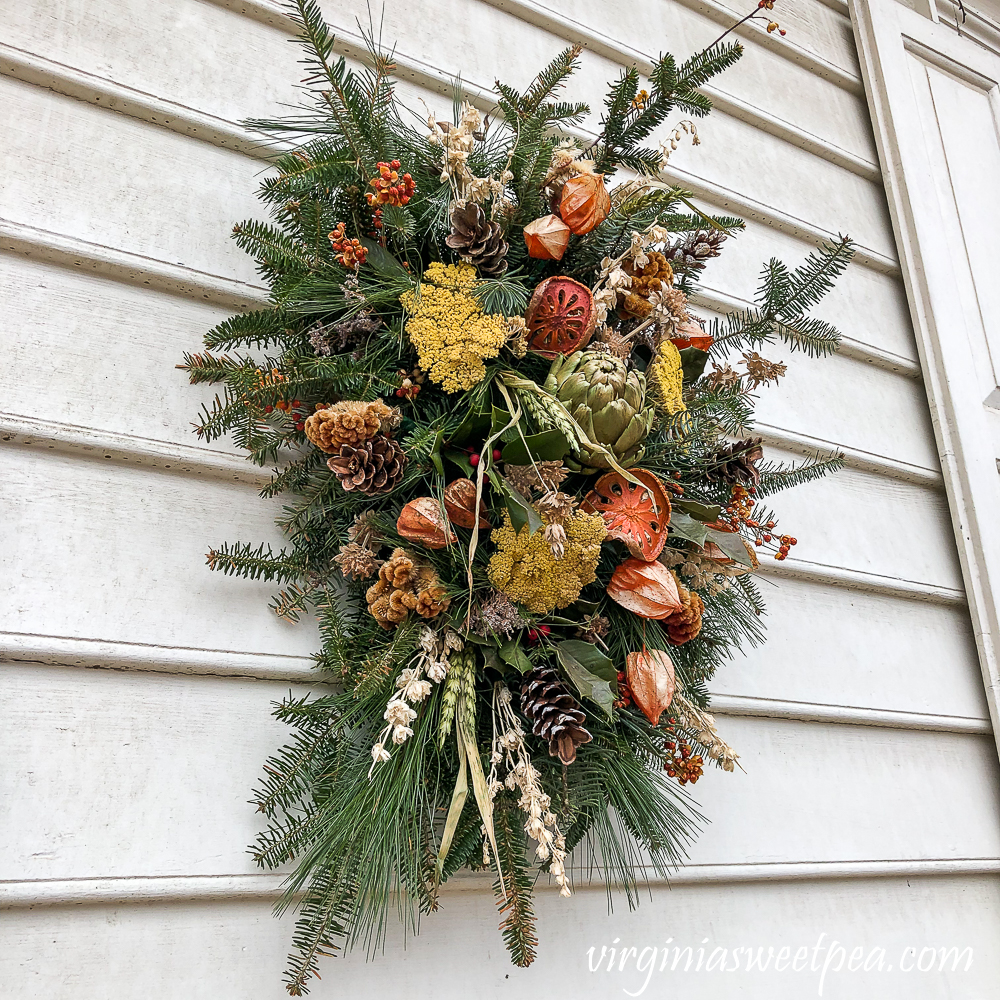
(523, 514)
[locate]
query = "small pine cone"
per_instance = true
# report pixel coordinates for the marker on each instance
(347, 423)
(375, 466)
(684, 625)
(477, 240)
(555, 715)
(693, 252)
(737, 463)
(357, 562)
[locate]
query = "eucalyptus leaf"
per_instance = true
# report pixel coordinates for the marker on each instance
(548, 446)
(685, 526)
(591, 672)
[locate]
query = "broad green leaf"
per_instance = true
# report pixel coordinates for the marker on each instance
(380, 260)
(685, 526)
(591, 672)
(436, 452)
(693, 363)
(732, 544)
(701, 511)
(475, 425)
(512, 654)
(521, 512)
(499, 419)
(548, 446)
(460, 458)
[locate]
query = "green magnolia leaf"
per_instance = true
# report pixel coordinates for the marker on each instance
(591, 672)
(460, 458)
(701, 511)
(693, 363)
(685, 526)
(548, 446)
(521, 512)
(436, 452)
(380, 260)
(732, 544)
(475, 425)
(512, 654)
(499, 419)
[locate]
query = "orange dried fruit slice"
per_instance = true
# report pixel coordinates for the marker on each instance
(635, 515)
(560, 317)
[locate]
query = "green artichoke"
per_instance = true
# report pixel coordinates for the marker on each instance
(608, 402)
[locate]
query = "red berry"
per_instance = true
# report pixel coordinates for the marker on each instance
(299, 425)
(545, 629)
(268, 409)
(496, 454)
(532, 635)
(473, 460)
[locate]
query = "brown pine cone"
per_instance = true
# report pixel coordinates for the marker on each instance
(348, 422)
(477, 240)
(695, 250)
(682, 626)
(737, 463)
(374, 466)
(555, 715)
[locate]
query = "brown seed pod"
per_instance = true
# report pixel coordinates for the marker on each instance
(647, 589)
(651, 682)
(585, 203)
(547, 238)
(422, 521)
(460, 502)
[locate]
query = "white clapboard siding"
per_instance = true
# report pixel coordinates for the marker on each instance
(868, 810)
(230, 948)
(211, 734)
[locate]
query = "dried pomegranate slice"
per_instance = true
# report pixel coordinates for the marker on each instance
(635, 515)
(560, 317)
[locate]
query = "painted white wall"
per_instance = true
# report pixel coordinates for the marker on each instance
(136, 685)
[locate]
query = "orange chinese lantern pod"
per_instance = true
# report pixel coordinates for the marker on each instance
(547, 238)
(585, 203)
(651, 682)
(635, 515)
(460, 502)
(560, 317)
(647, 589)
(691, 334)
(422, 521)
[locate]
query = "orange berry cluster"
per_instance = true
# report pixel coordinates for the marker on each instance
(390, 188)
(682, 763)
(739, 511)
(377, 223)
(786, 543)
(292, 408)
(624, 698)
(411, 382)
(772, 25)
(350, 252)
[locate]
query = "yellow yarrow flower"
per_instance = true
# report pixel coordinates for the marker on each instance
(525, 569)
(448, 328)
(665, 377)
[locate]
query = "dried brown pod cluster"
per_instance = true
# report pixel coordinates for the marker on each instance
(684, 625)
(654, 276)
(349, 422)
(404, 585)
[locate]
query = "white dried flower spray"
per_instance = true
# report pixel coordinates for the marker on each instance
(412, 688)
(702, 724)
(510, 753)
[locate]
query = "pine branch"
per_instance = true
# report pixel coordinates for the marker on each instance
(517, 909)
